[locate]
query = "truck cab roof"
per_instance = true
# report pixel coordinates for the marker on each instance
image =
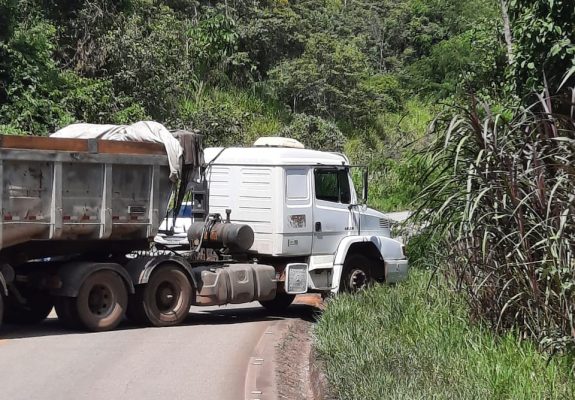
(272, 156)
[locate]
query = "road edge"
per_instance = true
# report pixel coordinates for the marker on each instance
(317, 378)
(260, 382)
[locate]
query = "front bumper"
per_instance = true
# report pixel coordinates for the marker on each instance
(396, 270)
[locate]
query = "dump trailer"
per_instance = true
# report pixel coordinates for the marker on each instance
(78, 220)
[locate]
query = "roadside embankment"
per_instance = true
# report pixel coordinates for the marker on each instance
(414, 340)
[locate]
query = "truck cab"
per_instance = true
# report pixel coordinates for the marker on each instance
(303, 208)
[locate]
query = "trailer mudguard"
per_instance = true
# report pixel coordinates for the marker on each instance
(141, 268)
(390, 250)
(74, 274)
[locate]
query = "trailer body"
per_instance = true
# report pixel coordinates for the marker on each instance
(86, 192)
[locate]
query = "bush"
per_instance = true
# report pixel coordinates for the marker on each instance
(30, 81)
(503, 203)
(314, 132)
(229, 117)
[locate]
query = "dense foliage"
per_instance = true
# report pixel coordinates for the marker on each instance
(500, 181)
(544, 42)
(503, 208)
(363, 76)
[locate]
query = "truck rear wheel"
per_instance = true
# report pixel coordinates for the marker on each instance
(279, 303)
(356, 274)
(100, 306)
(37, 308)
(165, 300)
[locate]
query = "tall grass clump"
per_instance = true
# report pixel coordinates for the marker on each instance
(502, 203)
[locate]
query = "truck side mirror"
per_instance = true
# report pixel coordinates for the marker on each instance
(365, 191)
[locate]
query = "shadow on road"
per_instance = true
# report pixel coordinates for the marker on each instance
(198, 316)
(251, 314)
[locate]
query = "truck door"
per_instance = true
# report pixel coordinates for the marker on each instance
(332, 215)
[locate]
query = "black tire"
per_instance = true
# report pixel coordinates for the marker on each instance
(279, 303)
(100, 306)
(67, 313)
(356, 274)
(37, 308)
(1, 308)
(165, 300)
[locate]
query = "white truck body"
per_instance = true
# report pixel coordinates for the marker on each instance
(276, 191)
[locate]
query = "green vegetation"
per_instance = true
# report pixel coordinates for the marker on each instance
(494, 184)
(497, 213)
(414, 341)
(504, 223)
(364, 76)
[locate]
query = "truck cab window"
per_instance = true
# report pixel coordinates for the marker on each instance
(332, 185)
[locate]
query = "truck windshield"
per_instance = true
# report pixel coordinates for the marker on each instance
(332, 185)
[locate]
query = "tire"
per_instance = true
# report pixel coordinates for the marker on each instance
(100, 306)
(37, 308)
(165, 300)
(279, 303)
(1, 308)
(356, 274)
(67, 313)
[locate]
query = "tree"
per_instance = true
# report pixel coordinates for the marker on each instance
(544, 35)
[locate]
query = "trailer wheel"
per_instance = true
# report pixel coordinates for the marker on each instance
(356, 274)
(279, 303)
(66, 311)
(37, 308)
(1, 307)
(165, 300)
(100, 306)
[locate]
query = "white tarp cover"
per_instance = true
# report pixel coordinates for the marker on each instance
(143, 131)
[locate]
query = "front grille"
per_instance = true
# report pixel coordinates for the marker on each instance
(383, 223)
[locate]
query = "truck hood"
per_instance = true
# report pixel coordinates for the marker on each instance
(374, 222)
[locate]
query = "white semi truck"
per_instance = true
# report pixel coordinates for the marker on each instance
(79, 218)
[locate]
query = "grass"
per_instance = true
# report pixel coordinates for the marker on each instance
(413, 342)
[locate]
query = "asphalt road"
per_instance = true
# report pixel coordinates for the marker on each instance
(205, 358)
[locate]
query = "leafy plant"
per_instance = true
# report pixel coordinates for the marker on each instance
(314, 132)
(544, 42)
(502, 199)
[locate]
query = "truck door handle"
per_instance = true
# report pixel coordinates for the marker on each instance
(318, 226)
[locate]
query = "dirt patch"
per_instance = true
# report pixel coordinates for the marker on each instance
(317, 378)
(299, 374)
(292, 362)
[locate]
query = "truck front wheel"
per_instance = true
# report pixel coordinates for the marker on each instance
(100, 306)
(356, 274)
(165, 300)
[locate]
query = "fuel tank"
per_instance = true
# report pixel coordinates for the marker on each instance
(217, 235)
(235, 283)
